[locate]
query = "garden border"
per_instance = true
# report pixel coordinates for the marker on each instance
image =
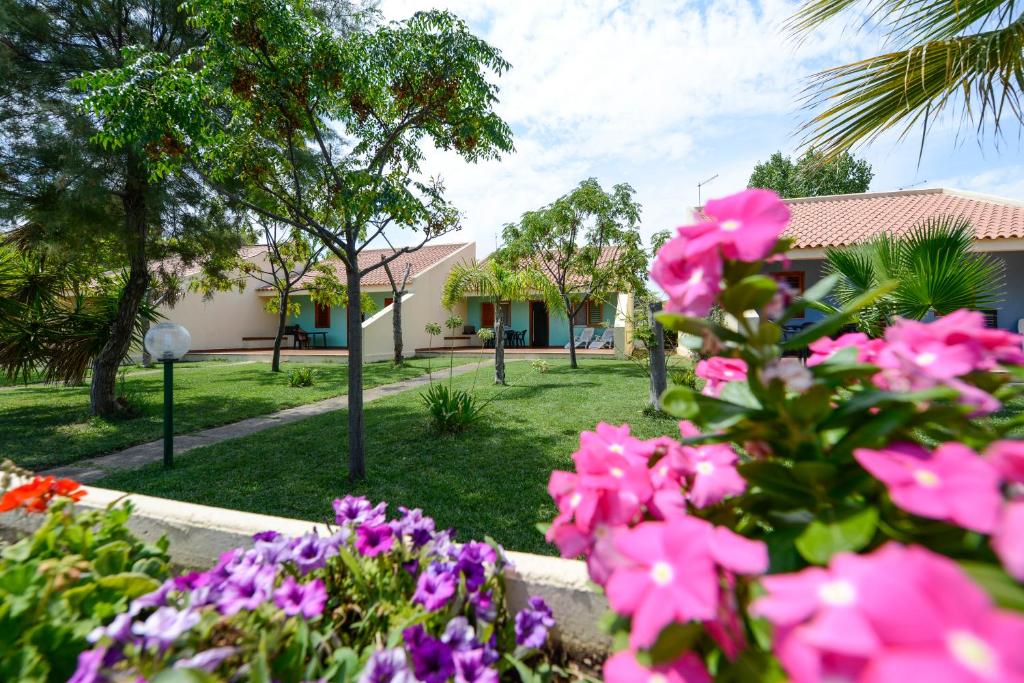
(199, 534)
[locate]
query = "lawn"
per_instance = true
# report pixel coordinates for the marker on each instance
(488, 481)
(45, 426)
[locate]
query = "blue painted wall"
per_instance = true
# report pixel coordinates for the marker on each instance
(558, 330)
(337, 333)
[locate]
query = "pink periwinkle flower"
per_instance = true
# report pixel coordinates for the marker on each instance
(1008, 538)
(951, 483)
(691, 280)
(898, 614)
(623, 667)
(719, 371)
(671, 572)
(1007, 456)
(609, 440)
(748, 224)
(710, 470)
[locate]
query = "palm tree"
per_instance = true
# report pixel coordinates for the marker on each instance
(934, 268)
(499, 282)
(945, 53)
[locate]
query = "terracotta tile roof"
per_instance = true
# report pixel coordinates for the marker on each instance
(420, 260)
(846, 219)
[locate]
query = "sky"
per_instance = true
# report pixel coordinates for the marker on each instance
(665, 94)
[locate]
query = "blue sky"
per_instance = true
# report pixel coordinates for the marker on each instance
(662, 94)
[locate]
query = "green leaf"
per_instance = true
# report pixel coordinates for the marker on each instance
(673, 641)
(696, 326)
(687, 404)
(112, 558)
(776, 480)
(821, 540)
(526, 674)
(129, 584)
(1006, 592)
(183, 676)
(259, 668)
(750, 293)
(832, 323)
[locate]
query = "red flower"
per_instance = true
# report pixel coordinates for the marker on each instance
(36, 495)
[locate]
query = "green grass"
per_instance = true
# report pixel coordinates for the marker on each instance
(490, 480)
(44, 426)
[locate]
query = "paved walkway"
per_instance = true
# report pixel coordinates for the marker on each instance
(94, 469)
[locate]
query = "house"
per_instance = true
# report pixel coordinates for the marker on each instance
(841, 220)
(234, 320)
(545, 328)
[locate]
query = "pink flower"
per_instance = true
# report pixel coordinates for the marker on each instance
(951, 483)
(623, 667)
(1008, 539)
(720, 371)
(748, 224)
(867, 349)
(691, 280)
(1008, 457)
(671, 572)
(709, 470)
(609, 440)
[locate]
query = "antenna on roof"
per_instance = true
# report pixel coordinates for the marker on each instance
(702, 184)
(910, 186)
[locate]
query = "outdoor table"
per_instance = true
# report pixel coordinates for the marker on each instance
(313, 335)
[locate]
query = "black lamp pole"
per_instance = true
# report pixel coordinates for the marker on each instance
(169, 413)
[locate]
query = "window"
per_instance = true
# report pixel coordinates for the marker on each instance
(591, 314)
(506, 313)
(793, 278)
(321, 315)
(487, 314)
(991, 317)
(388, 301)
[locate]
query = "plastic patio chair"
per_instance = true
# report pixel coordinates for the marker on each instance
(585, 338)
(605, 341)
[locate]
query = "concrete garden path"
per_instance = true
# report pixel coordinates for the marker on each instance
(91, 470)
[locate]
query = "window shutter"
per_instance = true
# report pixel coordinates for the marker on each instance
(486, 314)
(793, 278)
(991, 317)
(506, 314)
(388, 301)
(595, 313)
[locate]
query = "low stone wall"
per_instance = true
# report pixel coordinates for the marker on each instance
(199, 534)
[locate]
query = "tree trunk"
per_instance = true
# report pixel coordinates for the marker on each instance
(147, 357)
(572, 335)
(356, 426)
(102, 393)
(499, 345)
(396, 323)
(282, 320)
(659, 378)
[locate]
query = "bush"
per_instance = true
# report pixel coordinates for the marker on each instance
(452, 410)
(73, 575)
(848, 519)
(540, 365)
(683, 376)
(302, 377)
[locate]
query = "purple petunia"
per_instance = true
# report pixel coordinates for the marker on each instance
(419, 529)
(471, 667)
(435, 587)
(387, 666)
(473, 560)
(296, 598)
(483, 606)
(533, 623)
(357, 511)
(374, 540)
(432, 660)
(89, 664)
(269, 535)
(247, 589)
(207, 660)
(157, 598)
(165, 625)
(310, 552)
(119, 630)
(459, 635)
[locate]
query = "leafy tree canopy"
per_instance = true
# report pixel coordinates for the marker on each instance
(812, 175)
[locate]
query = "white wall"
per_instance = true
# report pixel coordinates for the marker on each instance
(222, 321)
(421, 305)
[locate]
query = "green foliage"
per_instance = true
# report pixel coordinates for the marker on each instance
(452, 410)
(454, 323)
(540, 365)
(812, 175)
(963, 55)
(73, 574)
(934, 268)
(683, 375)
(302, 377)
(432, 329)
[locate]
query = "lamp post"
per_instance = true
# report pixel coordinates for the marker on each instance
(168, 342)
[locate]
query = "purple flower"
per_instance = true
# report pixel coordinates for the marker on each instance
(435, 587)
(266, 536)
(247, 590)
(374, 540)
(306, 599)
(309, 553)
(483, 606)
(89, 664)
(459, 635)
(157, 598)
(471, 667)
(119, 630)
(387, 666)
(473, 560)
(432, 660)
(274, 551)
(413, 524)
(533, 623)
(207, 660)
(357, 511)
(165, 625)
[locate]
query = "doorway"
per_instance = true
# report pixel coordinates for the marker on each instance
(538, 324)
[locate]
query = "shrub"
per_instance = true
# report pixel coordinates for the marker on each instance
(540, 365)
(302, 377)
(73, 575)
(848, 519)
(683, 376)
(452, 410)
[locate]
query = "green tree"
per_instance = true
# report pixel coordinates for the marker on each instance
(498, 280)
(586, 242)
(942, 55)
(933, 266)
(77, 195)
(320, 129)
(812, 175)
